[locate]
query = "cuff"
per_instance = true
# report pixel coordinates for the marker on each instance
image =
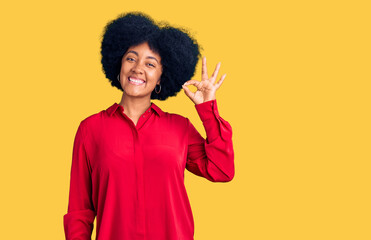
(207, 110)
(79, 224)
(215, 125)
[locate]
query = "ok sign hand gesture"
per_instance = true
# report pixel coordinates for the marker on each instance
(206, 88)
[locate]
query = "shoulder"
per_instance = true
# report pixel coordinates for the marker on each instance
(175, 116)
(176, 120)
(92, 120)
(168, 116)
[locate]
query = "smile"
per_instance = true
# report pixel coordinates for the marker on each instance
(136, 81)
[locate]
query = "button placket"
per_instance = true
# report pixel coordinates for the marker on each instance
(143, 119)
(140, 207)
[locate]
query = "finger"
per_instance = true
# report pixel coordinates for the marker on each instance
(188, 92)
(216, 71)
(204, 69)
(192, 82)
(219, 83)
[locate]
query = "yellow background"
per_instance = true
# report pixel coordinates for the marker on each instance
(297, 94)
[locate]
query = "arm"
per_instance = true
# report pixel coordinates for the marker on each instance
(78, 222)
(212, 158)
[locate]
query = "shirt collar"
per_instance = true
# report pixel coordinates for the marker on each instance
(112, 109)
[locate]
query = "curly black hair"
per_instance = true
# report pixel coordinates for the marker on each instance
(178, 50)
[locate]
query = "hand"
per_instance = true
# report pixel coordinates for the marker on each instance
(206, 88)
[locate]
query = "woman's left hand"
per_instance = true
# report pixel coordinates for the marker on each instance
(206, 88)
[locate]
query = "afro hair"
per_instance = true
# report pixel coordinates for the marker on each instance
(178, 50)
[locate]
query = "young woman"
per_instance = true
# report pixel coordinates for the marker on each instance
(129, 160)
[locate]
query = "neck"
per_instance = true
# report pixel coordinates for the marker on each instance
(134, 107)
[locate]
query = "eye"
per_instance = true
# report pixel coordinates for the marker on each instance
(130, 59)
(150, 64)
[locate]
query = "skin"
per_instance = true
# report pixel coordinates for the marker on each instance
(206, 88)
(140, 62)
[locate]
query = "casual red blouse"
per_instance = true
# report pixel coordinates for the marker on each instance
(132, 176)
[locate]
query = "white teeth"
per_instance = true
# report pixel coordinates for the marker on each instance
(135, 80)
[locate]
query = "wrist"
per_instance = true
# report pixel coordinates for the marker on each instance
(205, 100)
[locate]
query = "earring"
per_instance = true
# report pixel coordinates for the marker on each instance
(158, 90)
(118, 77)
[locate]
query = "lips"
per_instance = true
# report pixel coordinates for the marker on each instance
(136, 81)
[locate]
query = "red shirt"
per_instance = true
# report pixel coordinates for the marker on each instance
(132, 177)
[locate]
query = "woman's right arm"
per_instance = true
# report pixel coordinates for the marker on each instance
(78, 222)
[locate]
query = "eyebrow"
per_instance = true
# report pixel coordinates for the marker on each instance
(147, 57)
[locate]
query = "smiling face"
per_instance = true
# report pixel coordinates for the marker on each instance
(141, 70)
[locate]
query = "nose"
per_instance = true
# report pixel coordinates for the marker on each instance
(137, 68)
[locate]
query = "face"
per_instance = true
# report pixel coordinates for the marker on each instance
(141, 70)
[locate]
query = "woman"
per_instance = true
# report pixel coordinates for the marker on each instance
(129, 160)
